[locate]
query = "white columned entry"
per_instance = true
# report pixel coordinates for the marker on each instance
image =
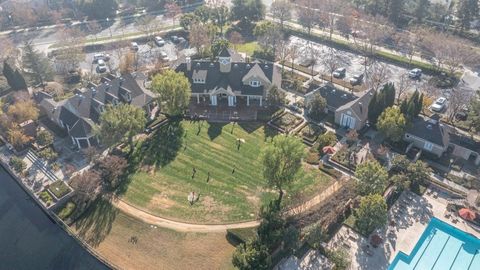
(231, 101)
(261, 101)
(198, 98)
(213, 100)
(248, 100)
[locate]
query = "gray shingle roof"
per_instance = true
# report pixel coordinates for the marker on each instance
(429, 130)
(233, 79)
(335, 97)
(83, 110)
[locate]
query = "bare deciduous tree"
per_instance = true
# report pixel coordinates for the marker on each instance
(307, 15)
(458, 99)
(281, 10)
(199, 37)
(332, 60)
(283, 51)
(404, 84)
(71, 55)
(378, 75)
(236, 38)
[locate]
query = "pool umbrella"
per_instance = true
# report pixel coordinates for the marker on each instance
(467, 214)
(328, 150)
(376, 240)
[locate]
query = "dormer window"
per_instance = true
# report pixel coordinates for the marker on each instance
(115, 102)
(198, 80)
(255, 83)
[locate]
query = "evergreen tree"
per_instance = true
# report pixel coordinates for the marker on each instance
(421, 9)
(14, 78)
(395, 10)
(404, 107)
(419, 106)
(467, 11)
(9, 74)
(389, 89)
(372, 106)
(36, 64)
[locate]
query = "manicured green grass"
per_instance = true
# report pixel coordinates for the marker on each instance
(59, 189)
(247, 48)
(163, 168)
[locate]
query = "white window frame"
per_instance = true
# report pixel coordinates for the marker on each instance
(255, 83)
(428, 146)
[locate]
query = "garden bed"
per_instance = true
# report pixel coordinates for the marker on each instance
(310, 132)
(59, 189)
(342, 156)
(286, 122)
(67, 210)
(46, 198)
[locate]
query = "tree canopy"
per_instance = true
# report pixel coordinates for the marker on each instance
(36, 64)
(173, 91)
(282, 159)
(381, 100)
(316, 107)
(248, 10)
(252, 255)
(392, 124)
(371, 214)
(121, 123)
(372, 178)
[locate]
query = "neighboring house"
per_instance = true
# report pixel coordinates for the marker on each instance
(229, 80)
(351, 111)
(430, 135)
(79, 114)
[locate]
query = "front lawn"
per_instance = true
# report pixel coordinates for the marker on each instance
(249, 48)
(163, 165)
(59, 189)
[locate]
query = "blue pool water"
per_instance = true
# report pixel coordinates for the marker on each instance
(441, 246)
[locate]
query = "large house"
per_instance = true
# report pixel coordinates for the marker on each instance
(79, 114)
(229, 80)
(351, 111)
(430, 135)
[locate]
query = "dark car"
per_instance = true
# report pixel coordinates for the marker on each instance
(339, 72)
(174, 39)
(356, 79)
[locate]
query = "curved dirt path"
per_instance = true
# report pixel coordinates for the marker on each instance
(175, 225)
(189, 227)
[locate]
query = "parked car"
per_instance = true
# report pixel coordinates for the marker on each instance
(339, 72)
(164, 56)
(415, 73)
(356, 79)
(101, 66)
(134, 46)
(159, 41)
(439, 104)
(174, 39)
(101, 56)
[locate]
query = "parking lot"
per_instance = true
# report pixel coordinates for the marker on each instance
(147, 55)
(353, 63)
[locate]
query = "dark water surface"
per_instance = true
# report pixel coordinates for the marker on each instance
(29, 239)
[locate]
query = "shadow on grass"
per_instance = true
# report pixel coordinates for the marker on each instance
(250, 127)
(270, 133)
(157, 151)
(215, 130)
(96, 223)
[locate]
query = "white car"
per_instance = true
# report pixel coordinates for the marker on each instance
(134, 46)
(101, 66)
(439, 104)
(101, 56)
(415, 73)
(164, 56)
(159, 41)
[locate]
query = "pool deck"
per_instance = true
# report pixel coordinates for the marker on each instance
(410, 215)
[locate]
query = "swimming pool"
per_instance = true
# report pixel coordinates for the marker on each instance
(441, 246)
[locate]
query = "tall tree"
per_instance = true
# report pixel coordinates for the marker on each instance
(282, 159)
(173, 91)
(36, 64)
(371, 214)
(467, 11)
(421, 9)
(316, 107)
(121, 123)
(252, 255)
(372, 178)
(395, 10)
(112, 168)
(282, 11)
(248, 11)
(220, 16)
(98, 9)
(172, 10)
(392, 124)
(307, 14)
(14, 78)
